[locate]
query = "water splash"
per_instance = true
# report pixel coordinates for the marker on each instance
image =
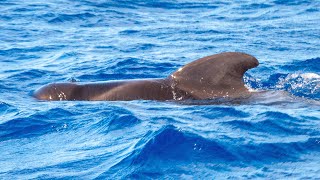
(301, 84)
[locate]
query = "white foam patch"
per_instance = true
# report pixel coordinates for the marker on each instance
(307, 84)
(250, 89)
(310, 76)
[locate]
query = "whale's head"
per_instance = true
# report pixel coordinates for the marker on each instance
(55, 91)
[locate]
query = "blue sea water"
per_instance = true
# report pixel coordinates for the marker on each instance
(275, 135)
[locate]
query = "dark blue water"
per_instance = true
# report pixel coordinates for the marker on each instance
(273, 135)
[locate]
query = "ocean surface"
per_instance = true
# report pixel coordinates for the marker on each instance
(275, 135)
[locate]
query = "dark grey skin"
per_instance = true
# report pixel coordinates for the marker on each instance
(215, 76)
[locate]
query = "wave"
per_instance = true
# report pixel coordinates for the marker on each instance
(303, 85)
(276, 123)
(19, 51)
(30, 74)
(171, 145)
(115, 121)
(64, 18)
(293, 2)
(309, 65)
(303, 79)
(35, 125)
(123, 121)
(157, 4)
(7, 111)
(130, 68)
(170, 149)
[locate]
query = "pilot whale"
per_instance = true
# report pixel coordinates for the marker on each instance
(215, 76)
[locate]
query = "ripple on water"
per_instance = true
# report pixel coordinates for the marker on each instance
(35, 125)
(171, 148)
(67, 18)
(170, 145)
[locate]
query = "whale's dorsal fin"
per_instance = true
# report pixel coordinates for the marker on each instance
(219, 75)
